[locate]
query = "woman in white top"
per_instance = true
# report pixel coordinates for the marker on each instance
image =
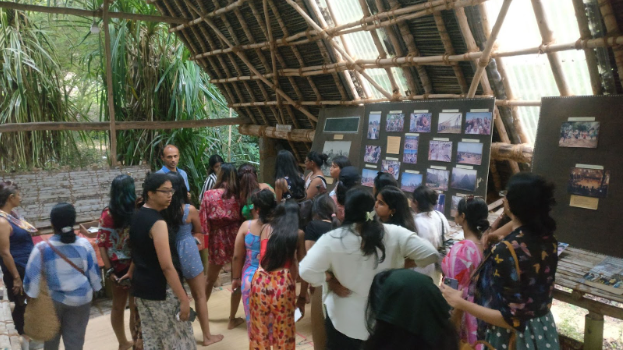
(429, 224)
(354, 254)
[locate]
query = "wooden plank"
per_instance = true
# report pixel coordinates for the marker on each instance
(103, 126)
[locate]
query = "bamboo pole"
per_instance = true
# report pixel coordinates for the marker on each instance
(504, 103)
(548, 38)
(215, 13)
(471, 43)
(338, 48)
(612, 30)
(521, 153)
(88, 13)
(251, 67)
(499, 125)
(493, 169)
(486, 54)
(447, 44)
(297, 135)
(591, 57)
(109, 87)
(130, 125)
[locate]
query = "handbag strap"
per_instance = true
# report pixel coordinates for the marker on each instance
(512, 251)
(66, 259)
(443, 228)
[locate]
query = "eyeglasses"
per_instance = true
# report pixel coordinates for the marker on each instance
(167, 192)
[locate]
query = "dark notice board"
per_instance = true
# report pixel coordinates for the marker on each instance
(360, 140)
(596, 230)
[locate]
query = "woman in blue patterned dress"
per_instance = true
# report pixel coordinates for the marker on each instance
(247, 246)
(513, 286)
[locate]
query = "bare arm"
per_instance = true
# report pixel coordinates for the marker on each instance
(264, 186)
(86, 232)
(455, 299)
(301, 252)
(193, 217)
(5, 251)
(497, 235)
(312, 190)
(160, 235)
(239, 255)
(280, 186)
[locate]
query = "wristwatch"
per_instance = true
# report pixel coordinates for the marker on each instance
(109, 272)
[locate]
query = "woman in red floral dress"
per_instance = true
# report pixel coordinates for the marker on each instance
(220, 220)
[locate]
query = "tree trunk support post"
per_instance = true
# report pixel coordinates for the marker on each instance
(109, 87)
(593, 331)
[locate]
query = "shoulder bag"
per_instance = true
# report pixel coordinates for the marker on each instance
(40, 320)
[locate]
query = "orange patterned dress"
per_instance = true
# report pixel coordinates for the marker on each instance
(272, 304)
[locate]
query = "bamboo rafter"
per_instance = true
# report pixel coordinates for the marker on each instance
(591, 57)
(612, 29)
(218, 12)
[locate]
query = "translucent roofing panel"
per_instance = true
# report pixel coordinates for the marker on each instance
(530, 76)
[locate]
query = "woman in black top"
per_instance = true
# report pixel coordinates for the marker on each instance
(289, 182)
(159, 294)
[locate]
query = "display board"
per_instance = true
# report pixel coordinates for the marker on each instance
(445, 144)
(579, 148)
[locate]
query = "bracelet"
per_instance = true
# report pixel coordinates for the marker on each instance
(238, 278)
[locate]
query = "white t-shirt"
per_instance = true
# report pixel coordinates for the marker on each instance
(339, 251)
(428, 226)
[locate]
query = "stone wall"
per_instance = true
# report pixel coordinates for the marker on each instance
(86, 189)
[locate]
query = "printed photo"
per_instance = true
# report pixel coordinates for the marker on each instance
(589, 182)
(367, 177)
(374, 126)
(469, 153)
(373, 154)
(440, 151)
(454, 207)
(579, 134)
(441, 203)
(420, 122)
(464, 179)
(334, 149)
(391, 166)
(410, 150)
(449, 123)
(437, 179)
(478, 123)
(395, 122)
(409, 182)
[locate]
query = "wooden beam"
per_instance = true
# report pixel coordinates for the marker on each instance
(215, 13)
(521, 153)
(548, 38)
(297, 135)
(470, 42)
(105, 126)
(87, 13)
(486, 54)
(591, 57)
(612, 30)
(109, 87)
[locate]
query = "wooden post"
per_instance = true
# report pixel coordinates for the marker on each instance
(591, 57)
(109, 87)
(612, 30)
(229, 139)
(486, 53)
(593, 331)
(268, 158)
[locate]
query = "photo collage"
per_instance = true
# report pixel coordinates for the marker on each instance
(443, 150)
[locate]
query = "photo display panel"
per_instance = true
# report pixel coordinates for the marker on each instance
(444, 144)
(578, 147)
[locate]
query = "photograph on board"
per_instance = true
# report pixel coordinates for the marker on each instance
(449, 123)
(454, 207)
(395, 122)
(410, 149)
(367, 177)
(420, 122)
(441, 203)
(334, 149)
(579, 134)
(589, 182)
(437, 179)
(464, 179)
(374, 126)
(391, 166)
(469, 153)
(373, 154)
(478, 123)
(440, 151)
(409, 182)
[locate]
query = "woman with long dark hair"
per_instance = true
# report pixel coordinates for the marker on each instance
(289, 182)
(70, 267)
(464, 258)
(220, 220)
(273, 289)
(381, 180)
(354, 254)
(247, 180)
(163, 305)
(323, 221)
(406, 311)
(337, 164)
(247, 248)
(15, 247)
(112, 239)
(513, 286)
(349, 178)
(183, 220)
(392, 207)
(214, 166)
(430, 224)
(315, 182)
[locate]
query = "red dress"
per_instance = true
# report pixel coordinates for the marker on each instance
(220, 220)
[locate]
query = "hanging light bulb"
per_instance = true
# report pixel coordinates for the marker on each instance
(95, 29)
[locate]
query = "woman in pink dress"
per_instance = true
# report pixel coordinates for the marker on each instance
(465, 256)
(220, 219)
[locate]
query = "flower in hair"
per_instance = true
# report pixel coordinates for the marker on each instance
(67, 229)
(370, 216)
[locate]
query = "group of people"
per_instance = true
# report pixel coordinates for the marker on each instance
(374, 265)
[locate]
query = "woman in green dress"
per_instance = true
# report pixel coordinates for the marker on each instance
(513, 286)
(247, 180)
